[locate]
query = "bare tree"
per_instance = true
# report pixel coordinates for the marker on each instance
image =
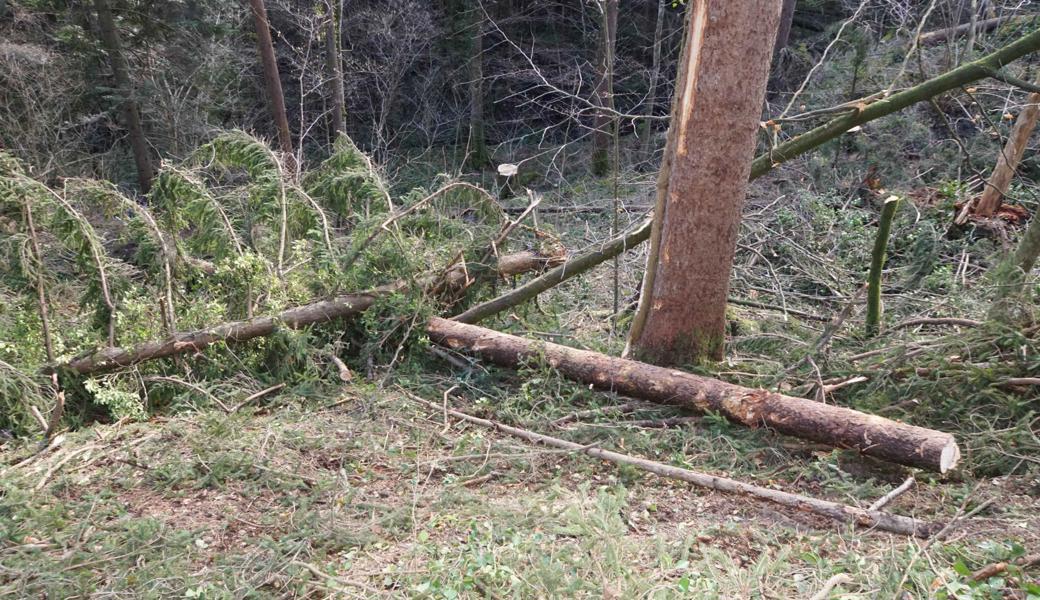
(603, 94)
(719, 95)
(272, 78)
(334, 65)
(655, 72)
(131, 113)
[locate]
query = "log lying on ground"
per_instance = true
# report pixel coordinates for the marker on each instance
(294, 318)
(840, 512)
(951, 33)
(796, 146)
(806, 419)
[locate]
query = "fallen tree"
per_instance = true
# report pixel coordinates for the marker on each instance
(853, 115)
(324, 311)
(871, 518)
(806, 419)
(951, 33)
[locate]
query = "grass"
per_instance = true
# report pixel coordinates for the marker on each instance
(381, 497)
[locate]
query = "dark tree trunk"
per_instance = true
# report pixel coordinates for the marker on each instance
(783, 33)
(478, 156)
(335, 68)
(129, 110)
(655, 72)
(272, 79)
(603, 94)
(682, 309)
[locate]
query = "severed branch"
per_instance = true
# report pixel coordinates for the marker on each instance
(1011, 80)
(889, 497)
(952, 321)
(840, 512)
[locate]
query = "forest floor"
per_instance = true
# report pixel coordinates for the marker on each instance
(377, 495)
(357, 490)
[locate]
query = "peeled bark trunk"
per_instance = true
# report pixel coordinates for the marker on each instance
(806, 419)
(129, 110)
(682, 309)
(1008, 160)
(272, 79)
(603, 94)
(335, 69)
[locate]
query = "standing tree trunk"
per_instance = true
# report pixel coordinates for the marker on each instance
(478, 156)
(335, 68)
(711, 141)
(655, 72)
(783, 34)
(272, 79)
(131, 113)
(603, 94)
(1007, 162)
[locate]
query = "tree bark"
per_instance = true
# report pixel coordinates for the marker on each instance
(783, 33)
(1008, 160)
(272, 79)
(335, 68)
(293, 318)
(682, 309)
(129, 109)
(478, 156)
(765, 163)
(806, 419)
(603, 94)
(941, 35)
(655, 72)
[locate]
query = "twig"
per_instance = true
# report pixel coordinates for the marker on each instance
(190, 386)
(889, 497)
(839, 512)
(937, 321)
(1009, 79)
(338, 580)
(828, 587)
(38, 416)
(256, 396)
(581, 414)
(831, 387)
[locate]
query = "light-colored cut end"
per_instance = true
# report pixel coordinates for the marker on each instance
(950, 456)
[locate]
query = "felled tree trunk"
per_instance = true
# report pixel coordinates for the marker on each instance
(294, 318)
(833, 425)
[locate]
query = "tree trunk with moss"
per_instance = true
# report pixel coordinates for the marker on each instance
(130, 112)
(721, 88)
(603, 95)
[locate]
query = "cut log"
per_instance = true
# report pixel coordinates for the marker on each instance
(951, 33)
(806, 419)
(293, 318)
